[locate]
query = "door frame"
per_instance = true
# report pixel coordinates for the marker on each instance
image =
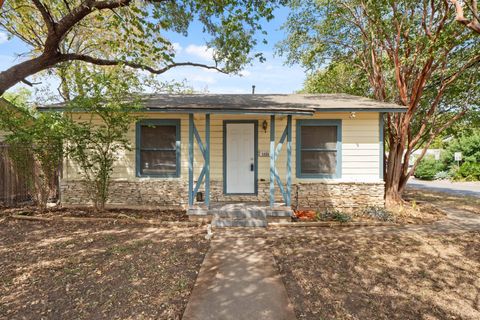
(255, 157)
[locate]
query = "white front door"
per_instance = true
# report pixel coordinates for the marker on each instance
(240, 158)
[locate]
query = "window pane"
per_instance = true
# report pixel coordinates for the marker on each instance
(158, 162)
(322, 137)
(158, 136)
(319, 162)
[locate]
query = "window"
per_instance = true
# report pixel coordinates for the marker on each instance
(319, 148)
(158, 148)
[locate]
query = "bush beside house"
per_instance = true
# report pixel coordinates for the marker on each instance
(469, 168)
(428, 168)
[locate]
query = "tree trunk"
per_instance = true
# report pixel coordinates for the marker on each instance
(395, 175)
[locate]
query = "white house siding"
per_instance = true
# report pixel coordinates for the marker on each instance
(360, 158)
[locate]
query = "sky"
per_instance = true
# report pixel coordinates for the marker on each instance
(272, 76)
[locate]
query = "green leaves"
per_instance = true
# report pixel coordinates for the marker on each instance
(135, 32)
(34, 138)
(100, 120)
(339, 77)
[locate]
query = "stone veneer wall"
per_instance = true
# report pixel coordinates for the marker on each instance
(174, 192)
(141, 193)
(339, 195)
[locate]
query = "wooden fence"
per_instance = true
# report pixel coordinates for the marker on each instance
(13, 187)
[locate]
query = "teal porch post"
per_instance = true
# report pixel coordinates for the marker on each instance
(289, 160)
(272, 160)
(190, 159)
(382, 144)
(207, 159)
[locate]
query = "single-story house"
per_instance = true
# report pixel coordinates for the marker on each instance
(198, 150)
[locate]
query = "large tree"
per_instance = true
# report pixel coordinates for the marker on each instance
(129, 33)
(338, 77)
(411, 52)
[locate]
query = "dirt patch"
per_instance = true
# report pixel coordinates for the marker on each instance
(338, 275)
(101, 270)
(413, 212)
(156, 215)
(441, 199)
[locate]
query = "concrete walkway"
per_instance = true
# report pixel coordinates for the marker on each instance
(239, 280)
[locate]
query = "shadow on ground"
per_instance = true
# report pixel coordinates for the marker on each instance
(96, 270)
(338, 275)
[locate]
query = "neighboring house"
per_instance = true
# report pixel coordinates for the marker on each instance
(435, 153)
(312, 150)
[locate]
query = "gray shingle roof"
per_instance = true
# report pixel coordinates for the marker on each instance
(261, 103)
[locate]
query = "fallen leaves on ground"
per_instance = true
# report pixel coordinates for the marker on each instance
(91, 271)
(157, 215)
(341, 275)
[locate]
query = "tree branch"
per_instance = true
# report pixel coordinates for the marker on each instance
(47, 17)
(29, 83)
(472, 24)
(106, 62)
(433, 135)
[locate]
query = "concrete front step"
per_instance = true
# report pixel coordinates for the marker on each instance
(232, 222)
(241, 214)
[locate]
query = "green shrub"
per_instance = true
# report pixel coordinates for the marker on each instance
(378, 213)
(468, 171)
(442, 175)
(468, 145)
(428, 168)
(335, 215)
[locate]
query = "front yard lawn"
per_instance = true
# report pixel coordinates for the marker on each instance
(96, 270)
(340, 275)
(442, 199)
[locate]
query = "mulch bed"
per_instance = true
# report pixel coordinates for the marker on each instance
(51, 270)
(58, 212)
(410, 213)
(337, 274)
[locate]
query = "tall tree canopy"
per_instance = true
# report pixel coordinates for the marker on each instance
(129, 33)
(338, 77)
(412, 53)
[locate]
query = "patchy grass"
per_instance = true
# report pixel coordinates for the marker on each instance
(441, 199)
(338, 275)
(101, 270)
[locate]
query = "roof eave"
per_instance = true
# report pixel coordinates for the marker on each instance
(386, 110)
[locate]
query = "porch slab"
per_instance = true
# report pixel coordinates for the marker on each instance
(239, 280)
(222, 208)
(241, 214)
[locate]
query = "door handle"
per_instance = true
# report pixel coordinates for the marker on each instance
(252, 167)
